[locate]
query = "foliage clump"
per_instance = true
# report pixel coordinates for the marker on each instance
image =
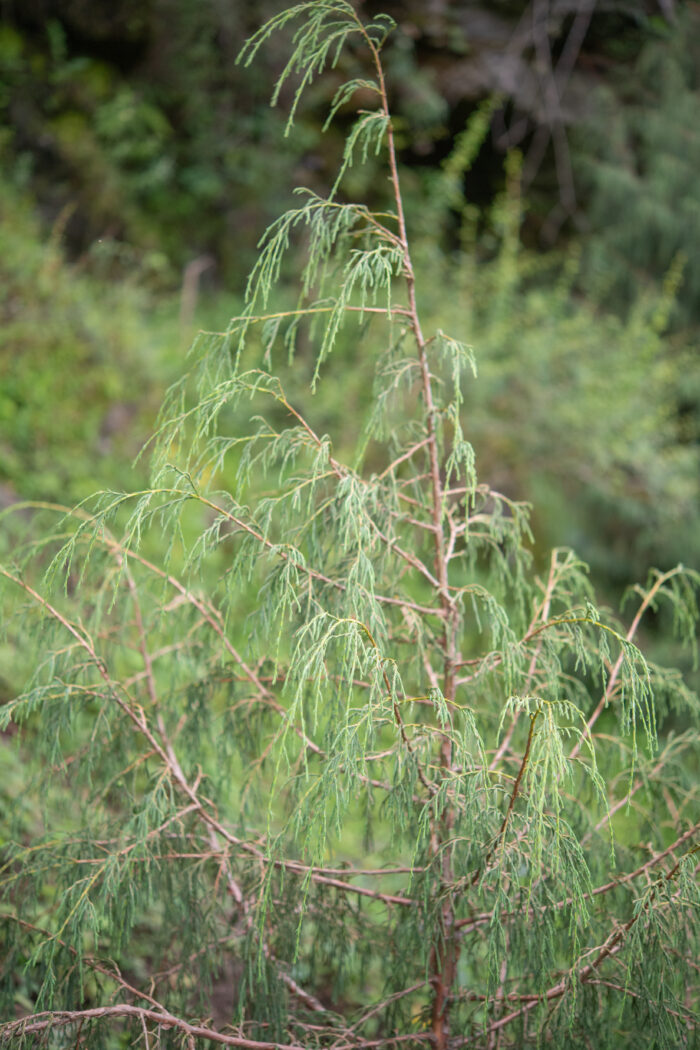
(326, 653)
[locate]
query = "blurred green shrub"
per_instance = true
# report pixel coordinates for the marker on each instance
(637, 158)
(161, 154)
(591, 425)
(81, 364)
(592, 410)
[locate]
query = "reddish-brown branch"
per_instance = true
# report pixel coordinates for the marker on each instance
(60, 1018)
(215, 829)
(612, 680)
(87, 960)
(430, 788)
(477, 920)
(402, 458)
(444, 960)
(211, 616)
(498, 842)
(382, 599)
(341, 472)
(612, 945)
(542, 613)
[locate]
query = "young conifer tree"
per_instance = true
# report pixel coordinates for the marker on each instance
(341, 661)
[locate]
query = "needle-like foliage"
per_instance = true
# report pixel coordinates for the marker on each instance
(274, 662)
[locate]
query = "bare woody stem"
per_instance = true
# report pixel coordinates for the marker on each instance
(445, 952)
(59, 1019)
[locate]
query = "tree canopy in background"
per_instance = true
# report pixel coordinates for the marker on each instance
(139, 117)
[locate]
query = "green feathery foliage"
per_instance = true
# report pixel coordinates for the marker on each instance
(343, 768)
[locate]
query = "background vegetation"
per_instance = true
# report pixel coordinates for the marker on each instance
(136, 183)
(124, 165)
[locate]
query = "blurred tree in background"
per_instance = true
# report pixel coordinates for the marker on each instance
(139, 117)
